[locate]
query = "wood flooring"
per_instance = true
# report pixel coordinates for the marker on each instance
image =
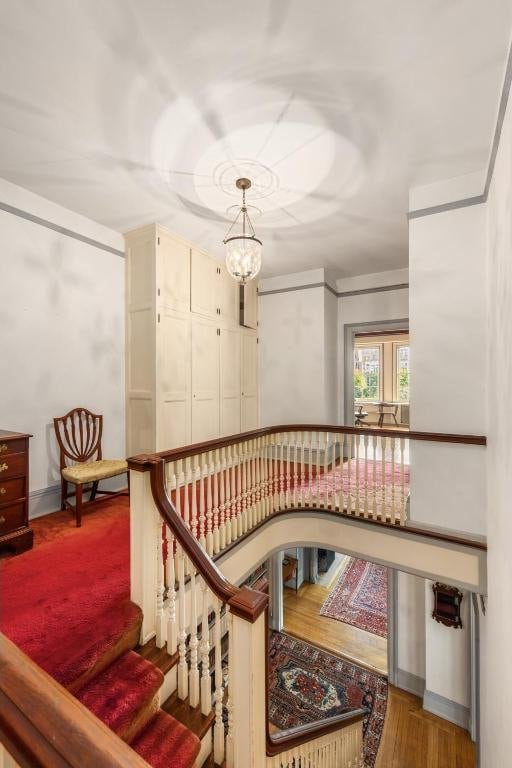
(302, 619)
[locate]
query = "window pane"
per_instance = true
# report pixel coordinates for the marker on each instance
(366, 373)
(403, 373)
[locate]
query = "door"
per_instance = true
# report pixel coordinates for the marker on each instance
(249, 410)
(205, 380)
(173, 381)
(203, 289)
(229, 360)
(249, 301)
(228, 300)
(173, 280)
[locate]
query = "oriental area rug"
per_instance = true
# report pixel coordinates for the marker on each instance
(307, 684)
(360, 597)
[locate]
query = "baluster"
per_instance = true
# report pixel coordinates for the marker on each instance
(229, 706)
(392, 448)
(218, 729)
(349, 474)
(234, 519)
(178, 487)
(182, 633)
(193, 643)
(302, 469)
(160, 614)
(244, 487)
(209, 505)
(317, 470)
(310, 470)
(289, 470)
(365, 507)
(327, 475)
(202, 506)
(240, 526)
(172, 625)
(402, 482)
(281, 472)
(375, 441)
(206, 686)
(216, 537)
(194, 521)
(254, 487)
(186, 501)
(338, 473)
(357, 445)
(266, 474)
(227, 502)
(250, 481)
(383, 478)
(222, 500)
(259, 479)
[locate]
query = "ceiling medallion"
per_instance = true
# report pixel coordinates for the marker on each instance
(243, 249)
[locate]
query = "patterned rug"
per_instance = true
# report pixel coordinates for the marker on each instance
(307, 684)
(360, 597)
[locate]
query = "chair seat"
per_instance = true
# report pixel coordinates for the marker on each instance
(94, 470)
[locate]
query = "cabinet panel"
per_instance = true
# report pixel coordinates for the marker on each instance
(249, 305)
(140, 433)
(205, 380)
(140, 269)
(173, 378)
(229, 361)
(249, 413)
(203, 275)
(249, 364)
(228, 291)
(174, 273)
(141, 343)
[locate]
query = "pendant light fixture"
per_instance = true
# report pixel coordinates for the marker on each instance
(243, 249)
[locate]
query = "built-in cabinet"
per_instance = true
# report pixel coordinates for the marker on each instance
(191, 368)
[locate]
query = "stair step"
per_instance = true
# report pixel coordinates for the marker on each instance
(166, 742)
(158, 656)
(192, 718)
(124, 695)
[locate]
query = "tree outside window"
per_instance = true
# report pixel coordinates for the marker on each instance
(367, 372)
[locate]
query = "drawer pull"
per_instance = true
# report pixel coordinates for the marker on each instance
(2, 520)
(4, 447)
(3, 467)
(2, 491)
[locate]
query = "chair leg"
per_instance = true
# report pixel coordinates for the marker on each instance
(78, 505)
(63, 493)
(94, 490)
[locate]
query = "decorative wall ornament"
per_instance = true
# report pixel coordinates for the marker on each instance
(447, 602)
(243, 249)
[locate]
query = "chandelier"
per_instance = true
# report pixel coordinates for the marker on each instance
(243, 249)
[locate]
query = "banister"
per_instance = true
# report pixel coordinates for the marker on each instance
(244, 602)
(294, 737)
(143, 462)
(43, 725)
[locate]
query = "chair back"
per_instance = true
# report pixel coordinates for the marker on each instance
(79, 435)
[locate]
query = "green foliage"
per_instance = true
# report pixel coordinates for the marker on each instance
(403, 384)
(366, 387)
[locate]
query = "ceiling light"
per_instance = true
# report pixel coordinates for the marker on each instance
(243, 249)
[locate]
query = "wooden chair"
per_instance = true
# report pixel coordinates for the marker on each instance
(388, 409)
(79, 437)
(359, 416)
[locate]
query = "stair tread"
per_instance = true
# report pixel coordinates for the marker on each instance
(123, 694)
(158, 656)
(165, 742)
(192, 718)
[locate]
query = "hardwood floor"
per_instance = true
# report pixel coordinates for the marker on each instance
(302, 619)
(413, 738)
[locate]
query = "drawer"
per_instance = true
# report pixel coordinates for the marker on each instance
(11, 490)
(12, 464)
(12, 518)
(12, 446)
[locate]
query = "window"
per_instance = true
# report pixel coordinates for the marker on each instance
(402, 372)
(367, 372)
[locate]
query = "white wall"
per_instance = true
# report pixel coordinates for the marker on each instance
(496, 626)
(411, 627)
(62, 339)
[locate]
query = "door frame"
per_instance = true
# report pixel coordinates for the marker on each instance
(349, 332)
(392, 646)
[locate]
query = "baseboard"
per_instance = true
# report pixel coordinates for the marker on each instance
(447, 709)
(410, 683)
(44, 501)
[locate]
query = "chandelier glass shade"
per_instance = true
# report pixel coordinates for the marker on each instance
(243, 248)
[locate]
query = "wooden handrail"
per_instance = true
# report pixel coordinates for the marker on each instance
(142, 462)
(43, 726)
(244, 602)
(301, 734)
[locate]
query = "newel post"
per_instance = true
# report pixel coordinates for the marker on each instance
(144, 522)
(247, 680)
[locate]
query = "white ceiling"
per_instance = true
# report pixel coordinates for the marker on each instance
(134, 111)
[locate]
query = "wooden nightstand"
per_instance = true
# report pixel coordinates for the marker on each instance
(14, 529)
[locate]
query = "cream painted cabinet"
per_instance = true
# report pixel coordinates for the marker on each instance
(188, 361)
(249, 305)
(249, 381)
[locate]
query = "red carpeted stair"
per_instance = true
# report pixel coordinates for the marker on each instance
(66, 604)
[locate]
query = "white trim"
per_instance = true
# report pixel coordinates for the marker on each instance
(447, 709)
(410, 683)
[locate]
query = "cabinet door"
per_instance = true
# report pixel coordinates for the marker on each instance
(228, 291)
(203, 288)
(205, 380)
(173, 381)
(229, 360)
(249, 301)
(174, 271)
(249, 409)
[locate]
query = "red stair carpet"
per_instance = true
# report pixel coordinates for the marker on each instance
(66, 604)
